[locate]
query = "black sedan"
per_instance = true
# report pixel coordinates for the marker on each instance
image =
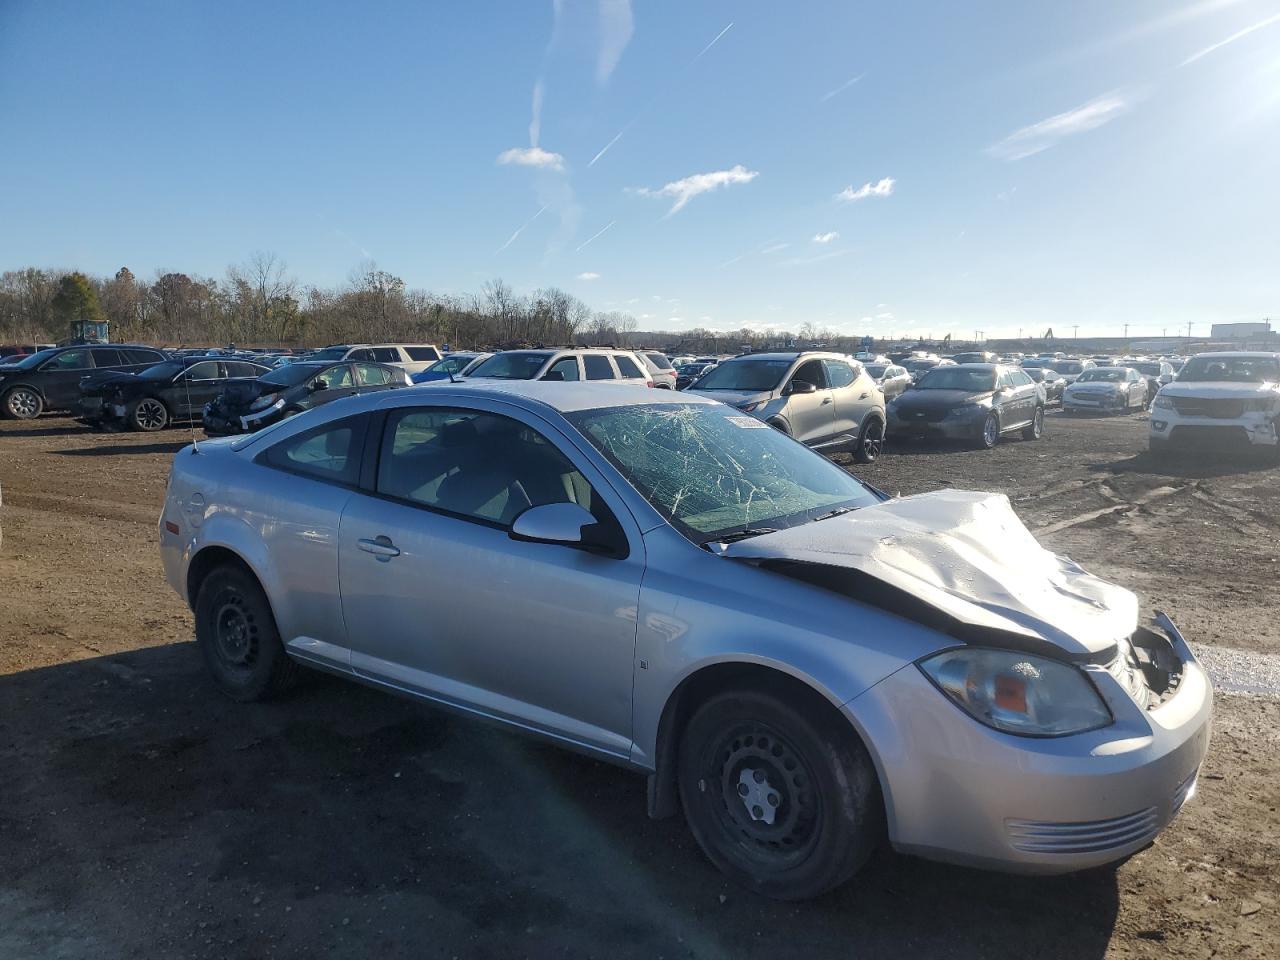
(1054, 382)
(689, 374)
(159, 395)
(978, 402)
(251, 405)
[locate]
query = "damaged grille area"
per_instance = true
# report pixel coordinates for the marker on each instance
(1146, 666)
(1225, 409)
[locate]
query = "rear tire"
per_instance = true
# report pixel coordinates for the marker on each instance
(1035, 429)
(870, 442)
(22, 403)
(779, 797)
(238, 638)
(147, 414)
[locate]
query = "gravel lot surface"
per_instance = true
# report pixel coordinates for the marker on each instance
(141, 814)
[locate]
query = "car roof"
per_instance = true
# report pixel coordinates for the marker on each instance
(560, 397)
(790, 355)
(1241, 354)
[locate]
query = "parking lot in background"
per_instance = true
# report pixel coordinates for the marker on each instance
(141, 814)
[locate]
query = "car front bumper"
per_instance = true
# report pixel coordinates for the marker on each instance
(952, 427)
(1108, 402)
(1250, 430)
(961, 792)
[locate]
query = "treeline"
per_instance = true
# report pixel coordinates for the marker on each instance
(259, 303)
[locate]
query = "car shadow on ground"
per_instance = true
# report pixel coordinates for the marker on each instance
(1192, 465)
(58, 427)
(126, 449)
(145, 813)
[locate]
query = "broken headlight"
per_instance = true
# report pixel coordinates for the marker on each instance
(1017, 692)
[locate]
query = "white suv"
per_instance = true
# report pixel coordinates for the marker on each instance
(410, 357)
(1220, 400)
(619, 366)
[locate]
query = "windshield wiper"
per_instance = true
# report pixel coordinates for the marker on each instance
(838, 511)
(739, 535)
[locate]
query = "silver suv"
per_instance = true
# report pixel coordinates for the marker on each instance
(825, 400)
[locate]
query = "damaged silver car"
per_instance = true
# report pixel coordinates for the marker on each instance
(802, 664)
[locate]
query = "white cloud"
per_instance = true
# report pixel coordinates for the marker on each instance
(1231, 39)
(826, 237)
(588, 275)
(616, 28)
(1041, 136)
(531, 157)
(682, 191)
(840, 89)
(881, 188)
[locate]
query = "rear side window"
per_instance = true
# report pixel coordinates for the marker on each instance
(362, 354)
(242, 368)
(108, 358)
(597, 366)
(422, 353)
(386, 354)
(627, 367)
(659, 361)
(840, 374)
(143, 356)
(330, 452)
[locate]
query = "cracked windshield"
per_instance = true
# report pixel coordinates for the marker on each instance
(713, 474)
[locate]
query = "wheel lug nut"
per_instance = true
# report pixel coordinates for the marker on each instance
(758, 776)
(742, 789)
(773, 799)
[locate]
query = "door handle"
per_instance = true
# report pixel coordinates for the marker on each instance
(826, 401)
(382, 548)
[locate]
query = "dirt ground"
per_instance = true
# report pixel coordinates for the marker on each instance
(141, 814)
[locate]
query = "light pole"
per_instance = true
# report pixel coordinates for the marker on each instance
(1075, 330)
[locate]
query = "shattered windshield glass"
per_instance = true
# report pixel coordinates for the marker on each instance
(712, 473)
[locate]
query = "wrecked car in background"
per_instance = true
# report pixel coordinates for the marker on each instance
(158, 396)
(801, 662)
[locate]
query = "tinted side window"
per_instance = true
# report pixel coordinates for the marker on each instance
(386, 354)
(811, 372)
(108, 358)
(659, 361)
(204, 370)
(597, 366)
(330, 452)
(422, 353)
(627, 367)
(362, 354)
(840, 374)
(243, 368)
(476, 465)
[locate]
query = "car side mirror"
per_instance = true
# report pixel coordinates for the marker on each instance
(555, 375)
(799, 386)
(317, 385)
(566, 524)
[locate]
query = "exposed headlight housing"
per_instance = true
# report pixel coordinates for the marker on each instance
(264, 402)
(1017, 692)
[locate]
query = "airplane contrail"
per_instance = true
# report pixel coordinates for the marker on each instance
(519, 230)
(711, 44)
(598, 235)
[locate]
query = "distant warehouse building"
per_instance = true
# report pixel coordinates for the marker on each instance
(1240, 331)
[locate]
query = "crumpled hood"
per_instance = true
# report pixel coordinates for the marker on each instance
(239, 393)
(968, 556)
(1217, 390)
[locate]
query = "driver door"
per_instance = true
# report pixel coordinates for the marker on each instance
(812, 415)
(338, 381)
(440, 600)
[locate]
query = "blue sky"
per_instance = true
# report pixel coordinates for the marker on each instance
(892, 168)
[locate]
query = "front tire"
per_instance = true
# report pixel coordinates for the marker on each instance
(23, 403)
(238, 638)
(147, 414)
(989, 435)
(778, 796)
(870, 443)
(1035, 429)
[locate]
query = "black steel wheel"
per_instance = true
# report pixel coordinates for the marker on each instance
(238, 637)
(781, 796)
